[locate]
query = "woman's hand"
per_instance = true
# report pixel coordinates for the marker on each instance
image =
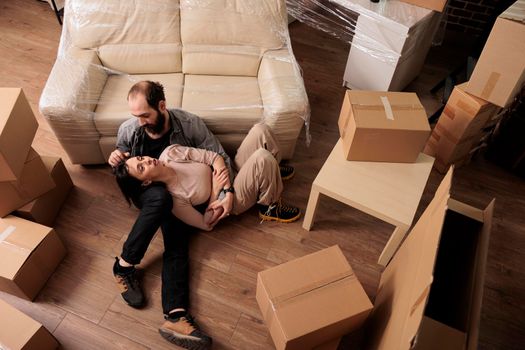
(220, 180)
(226, 204)
(211, 216)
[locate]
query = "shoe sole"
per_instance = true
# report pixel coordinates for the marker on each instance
(285, 221)
(288, 177)
(184, 341)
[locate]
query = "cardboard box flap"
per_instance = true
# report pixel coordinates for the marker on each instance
(16, 328)
(390, 110)
(18, 127)
(516, 12)
(305, 274)
(405, 283)
(15, 248)
(9, 99)
(481, 263)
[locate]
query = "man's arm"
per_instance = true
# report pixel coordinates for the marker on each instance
(123, 146)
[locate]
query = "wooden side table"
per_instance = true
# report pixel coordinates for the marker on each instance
(389, 191)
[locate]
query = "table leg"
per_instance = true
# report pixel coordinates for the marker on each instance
(392, 245)
(310, 209)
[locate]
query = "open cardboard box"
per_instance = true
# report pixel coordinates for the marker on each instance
(430, 294)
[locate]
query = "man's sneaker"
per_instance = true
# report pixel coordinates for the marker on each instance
(129, 287)
(279, 212)
(184, 332)
(287, 171)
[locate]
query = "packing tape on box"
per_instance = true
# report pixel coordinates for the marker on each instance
(449, 112)
(279, 300)
(388, 107)
(467, 107)
(380, 107)
(3, 240)
(490, 85)
(4, 347)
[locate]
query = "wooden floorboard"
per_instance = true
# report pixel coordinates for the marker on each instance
(81, 304)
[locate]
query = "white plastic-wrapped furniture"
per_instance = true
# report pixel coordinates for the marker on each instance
(228, 61)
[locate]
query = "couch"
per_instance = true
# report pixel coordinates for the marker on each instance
(228, 61)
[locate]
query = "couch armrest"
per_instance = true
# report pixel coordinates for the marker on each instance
(284, 97)
(69, 98)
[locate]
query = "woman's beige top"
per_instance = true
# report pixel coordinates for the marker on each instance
(193, 183)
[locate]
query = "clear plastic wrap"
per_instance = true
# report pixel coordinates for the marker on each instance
(228, 61)
(389, 39)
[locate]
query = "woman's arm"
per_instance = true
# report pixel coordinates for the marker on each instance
(192, 217)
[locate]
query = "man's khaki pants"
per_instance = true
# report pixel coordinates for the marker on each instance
(258, 179)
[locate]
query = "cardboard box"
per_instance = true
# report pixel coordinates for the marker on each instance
(500, 71)
(389, 45)
(19, 331)
(34, 181)
(311, 300)
(45, 208)
(29, 253)
(429, 296)
(436, 5)
(465, 115)
(17, 130)
(331, 345)
(383, 126)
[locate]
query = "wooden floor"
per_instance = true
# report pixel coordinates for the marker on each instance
(82, 306)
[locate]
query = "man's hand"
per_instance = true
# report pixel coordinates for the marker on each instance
(116, 157)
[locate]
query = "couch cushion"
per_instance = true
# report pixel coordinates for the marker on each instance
(141, 58)
(221, 60)
(112, 108)
(94, 23)
(226, 104)
(257, 25)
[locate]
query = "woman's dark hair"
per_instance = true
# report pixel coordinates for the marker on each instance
(152, 90)
(129, 186)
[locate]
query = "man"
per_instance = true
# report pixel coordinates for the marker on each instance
(148, 133)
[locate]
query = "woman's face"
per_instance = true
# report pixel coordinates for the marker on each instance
(144, 168)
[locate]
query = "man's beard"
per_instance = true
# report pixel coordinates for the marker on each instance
(158, 127)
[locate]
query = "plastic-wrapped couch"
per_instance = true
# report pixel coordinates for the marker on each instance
(228, 61)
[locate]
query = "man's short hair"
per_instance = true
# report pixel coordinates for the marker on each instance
(152, 90)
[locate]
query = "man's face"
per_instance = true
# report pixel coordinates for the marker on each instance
(150, 118)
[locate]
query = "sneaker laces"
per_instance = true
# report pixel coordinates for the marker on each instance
(190, 321)
(269, 211)
(130, 280)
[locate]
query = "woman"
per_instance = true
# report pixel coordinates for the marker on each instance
(188, 176)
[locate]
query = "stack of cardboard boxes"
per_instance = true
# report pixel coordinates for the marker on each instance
(498, 77)
(34, 187)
